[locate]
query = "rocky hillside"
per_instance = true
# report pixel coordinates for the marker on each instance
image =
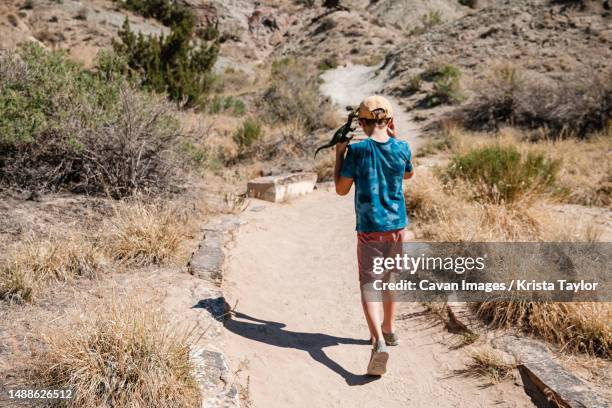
(540, 35)
(80, 27)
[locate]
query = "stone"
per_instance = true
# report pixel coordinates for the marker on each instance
(208, 261)
(214, 379)
(545, 381)
(282, 187)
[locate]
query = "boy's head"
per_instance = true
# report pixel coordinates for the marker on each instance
(375, 113)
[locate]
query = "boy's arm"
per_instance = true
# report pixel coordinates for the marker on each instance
(343, 184)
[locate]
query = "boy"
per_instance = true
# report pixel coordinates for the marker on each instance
(377, 166)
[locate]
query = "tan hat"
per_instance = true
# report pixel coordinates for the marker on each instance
(375, 107)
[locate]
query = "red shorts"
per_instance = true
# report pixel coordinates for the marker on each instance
(370, 245)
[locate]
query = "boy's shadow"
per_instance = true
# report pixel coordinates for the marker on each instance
(272, 333)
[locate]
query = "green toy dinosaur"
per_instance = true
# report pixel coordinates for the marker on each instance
(340, 136)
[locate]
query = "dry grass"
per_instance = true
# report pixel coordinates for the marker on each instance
(440, 214)
(142, 234)
(486, 362)
(36, 262)
(582, 327)
(121, 354)
(324, 166)
(585, 176)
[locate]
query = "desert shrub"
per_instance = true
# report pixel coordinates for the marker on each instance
(250, 131)
(36, 262)
(469, 3)
(305, 3)
(62, 126)
(122, 353)
(179, 65)
(293, 95)
(414, 84)
(167, 12)
(578, 104)
(328, 63)
(220, 104)
(431, 18)
(446, 85)
(502, 173)
(142, 234)
(574, 326)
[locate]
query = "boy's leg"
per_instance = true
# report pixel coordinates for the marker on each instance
(372, 312)
(389, 305)
(389, 309)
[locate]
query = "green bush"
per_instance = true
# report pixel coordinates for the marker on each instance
(431, 18)
(502, 173)
(220, 104)
(328, 63)
(179, 65)
(469, 3)
(63, 126)
(167, 12)
(250, 131)
(414, 85)
(446, 85)
(293, 95)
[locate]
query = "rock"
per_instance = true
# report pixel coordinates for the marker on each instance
(280, 188)
(208, 261)
(214, 379)
(544, 379)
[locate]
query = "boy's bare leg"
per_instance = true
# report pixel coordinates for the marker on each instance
(389, 309)
(372, 313)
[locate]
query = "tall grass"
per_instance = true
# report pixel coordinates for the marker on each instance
(582, 327)
(120, 354)
(143, 234)
(440, 213)
(35, 263)
(486, 362)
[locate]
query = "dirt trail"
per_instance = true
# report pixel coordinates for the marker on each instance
(348, 85)
(300, 331)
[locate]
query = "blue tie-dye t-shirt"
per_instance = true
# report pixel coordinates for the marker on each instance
(378, 170)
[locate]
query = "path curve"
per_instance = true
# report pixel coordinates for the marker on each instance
(299, 334)
(350, 84)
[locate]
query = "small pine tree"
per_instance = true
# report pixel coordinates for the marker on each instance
(179, 64)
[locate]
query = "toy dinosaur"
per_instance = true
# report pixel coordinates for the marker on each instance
(340, 136)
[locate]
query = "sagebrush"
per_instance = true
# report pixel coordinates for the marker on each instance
(502, 173)
(64, 127)
(578, 104)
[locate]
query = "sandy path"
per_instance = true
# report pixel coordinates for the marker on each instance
(300, 329)
(293, 272)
